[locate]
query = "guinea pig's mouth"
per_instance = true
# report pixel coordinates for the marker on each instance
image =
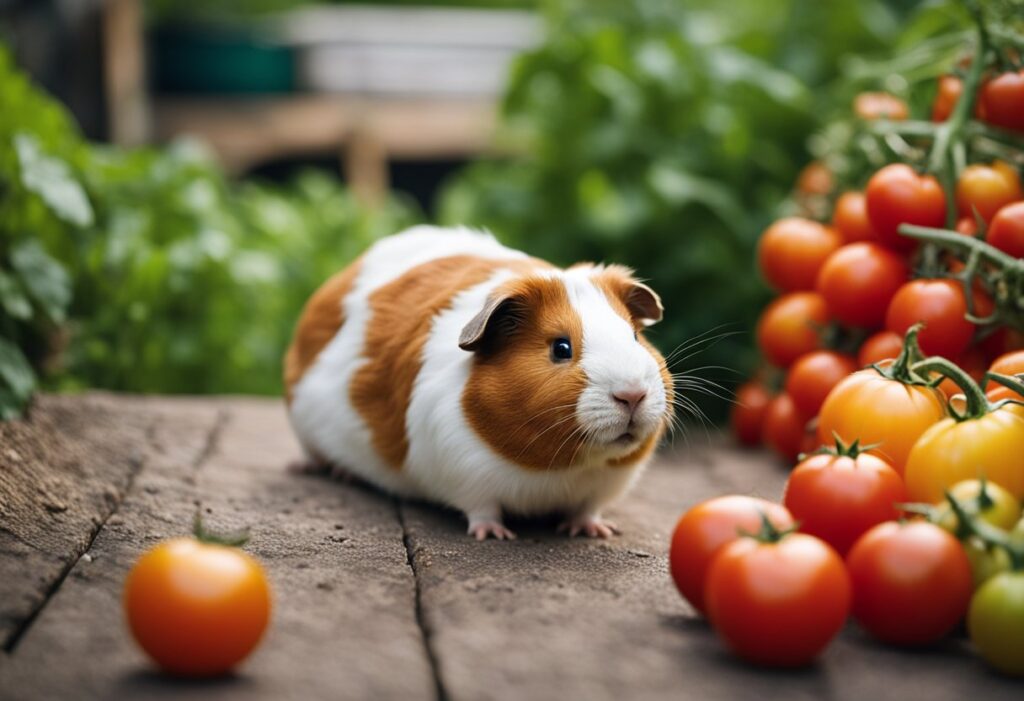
(625, 439)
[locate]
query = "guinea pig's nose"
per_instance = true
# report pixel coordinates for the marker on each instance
(629, 398)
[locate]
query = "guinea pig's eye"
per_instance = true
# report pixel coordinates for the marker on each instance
(561, 349)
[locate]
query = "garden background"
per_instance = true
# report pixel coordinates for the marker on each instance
(663, 135)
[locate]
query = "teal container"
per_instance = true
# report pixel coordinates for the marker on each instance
(222, 60)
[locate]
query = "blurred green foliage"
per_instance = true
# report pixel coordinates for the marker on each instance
(145, 270)
(664, 135)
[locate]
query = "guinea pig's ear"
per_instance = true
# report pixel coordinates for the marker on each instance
(501, 315)
(644, 304)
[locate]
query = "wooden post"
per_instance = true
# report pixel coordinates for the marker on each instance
(124, 72)
(365, 165)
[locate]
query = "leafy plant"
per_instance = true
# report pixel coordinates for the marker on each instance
(663, 136)
(145, 270)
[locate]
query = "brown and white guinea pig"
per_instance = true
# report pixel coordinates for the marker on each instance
(442, 365)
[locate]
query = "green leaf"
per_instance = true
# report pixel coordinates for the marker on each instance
(43, 278)
(51, 179)
(13, 299)
(16, 378)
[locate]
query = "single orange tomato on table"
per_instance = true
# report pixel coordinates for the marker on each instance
(197, 608)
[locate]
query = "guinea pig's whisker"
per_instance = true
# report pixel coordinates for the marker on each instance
(536, 416)
(698, 344)
(533, 440)
(582, 430)
(709, 389)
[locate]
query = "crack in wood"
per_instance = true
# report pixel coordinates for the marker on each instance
(426, 633)
(137, 463)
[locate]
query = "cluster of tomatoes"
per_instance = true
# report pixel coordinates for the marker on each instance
(851, 287)
(779, 581)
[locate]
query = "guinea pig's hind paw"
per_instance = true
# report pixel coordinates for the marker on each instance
(481, 530)
(591, 526)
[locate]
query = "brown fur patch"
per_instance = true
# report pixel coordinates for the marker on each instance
(321, 319)
(401, 317)
(531, 421)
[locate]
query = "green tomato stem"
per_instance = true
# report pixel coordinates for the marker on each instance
(991, 536)
(977, 403)
(902, 368)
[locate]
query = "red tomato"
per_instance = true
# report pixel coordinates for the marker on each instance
(704, 529)
(898, 195)
(814, 179)
(790, 326)
(884, 345)
(778, 603)
(966, 226)
(986, 189)
(911, 582)
(1006, 232)
(792, 250)
(1007, 364)
(198, 609)
(941, 305)
(813, 376)
(880, 105)
(950, 88)
(837, 497)
(784, 427)
(858, 281)
(752, 399)
(1002, 99)
(850, 218)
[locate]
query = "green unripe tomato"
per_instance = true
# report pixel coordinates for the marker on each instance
(1003, 512)
(986, 562)
(995, 622)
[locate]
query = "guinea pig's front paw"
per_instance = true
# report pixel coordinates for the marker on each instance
(481, 530)
(592, 526)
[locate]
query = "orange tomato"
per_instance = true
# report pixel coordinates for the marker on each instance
(813, 376)
(876, 409)
(1007, 364)
(792, 250)
(897, 194)
(880, 105)
(987, 189)
(850, 218)
(790, 326)
(950, 88)
(198, 609)
(814, 179)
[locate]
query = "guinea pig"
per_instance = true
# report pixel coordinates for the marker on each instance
(444, 366)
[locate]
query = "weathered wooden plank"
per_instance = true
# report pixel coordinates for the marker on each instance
(63, 469)
(546, 617)
(344, 612)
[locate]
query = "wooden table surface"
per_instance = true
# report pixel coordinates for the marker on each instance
(377, 598)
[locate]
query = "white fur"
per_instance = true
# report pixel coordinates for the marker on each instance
(447, 461)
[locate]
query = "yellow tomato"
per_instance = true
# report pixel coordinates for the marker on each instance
(872, 408)
(991, 445)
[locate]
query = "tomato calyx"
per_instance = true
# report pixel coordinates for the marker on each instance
(935, 513)
(903, 368)
(970, 525)
(231, 540)
(844, 450)
(768, 532)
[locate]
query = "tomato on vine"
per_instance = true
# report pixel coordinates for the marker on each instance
(911, 582)
(1002, 99)
(983, 439)
(839, 494)
(1006, 231)
(747, 415)
(784, 427)
(949, 91)
(890, 406)
(813, 376)
(792, 250)
(940, 304)
(880, 105)
(896, 195)
(777, 598)
(985, 189)
(1007, 364)
(858, 281)
(884, 345)
(850, 218)
(790, 327)
(703, 530)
